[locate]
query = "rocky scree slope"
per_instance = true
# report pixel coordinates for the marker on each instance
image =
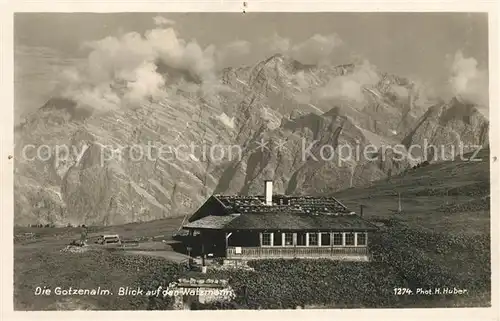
(276, 101)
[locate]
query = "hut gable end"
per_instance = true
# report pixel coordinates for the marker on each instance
(212, 207)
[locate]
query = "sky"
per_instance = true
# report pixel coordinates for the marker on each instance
(422, 46)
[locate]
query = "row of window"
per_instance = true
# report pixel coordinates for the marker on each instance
(314, 239)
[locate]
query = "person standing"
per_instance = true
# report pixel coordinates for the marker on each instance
(83, 236)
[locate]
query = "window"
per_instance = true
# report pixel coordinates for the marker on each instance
(277, 239)
(301, 239)
(313, 239)
(266, 239)
(337, 238)
(361, 238)
(288, 239)
(349, 238)
(325, 239)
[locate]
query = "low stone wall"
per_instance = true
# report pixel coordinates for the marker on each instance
(235, 264)
(187, 291)
(75, 249)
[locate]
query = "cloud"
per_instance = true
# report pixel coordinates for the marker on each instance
(124, 70)
(234, 54)
(350, 86)
(316, 49)
(162, 21)
(468, 82)
(301, 80)
(400, 91)
(147, 83)
(134, 68)
(276, 44)
(98, 97)
(37, 77)
(179, 54)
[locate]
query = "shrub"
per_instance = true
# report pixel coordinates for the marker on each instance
(402, 257)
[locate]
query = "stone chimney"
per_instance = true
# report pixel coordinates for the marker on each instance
(269, 192)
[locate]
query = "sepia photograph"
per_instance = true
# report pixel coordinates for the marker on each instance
(251, 160)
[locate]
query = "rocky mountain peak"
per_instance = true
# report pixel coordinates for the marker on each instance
(264, 102)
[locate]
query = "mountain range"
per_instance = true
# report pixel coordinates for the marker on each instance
(266, 114)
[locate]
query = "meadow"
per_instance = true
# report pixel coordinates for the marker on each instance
(440, 239)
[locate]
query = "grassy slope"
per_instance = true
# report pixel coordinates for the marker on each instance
(39, 262)
(47, 267)
(426, 207)
(127, 231)
(441, 239)
(447, 197)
